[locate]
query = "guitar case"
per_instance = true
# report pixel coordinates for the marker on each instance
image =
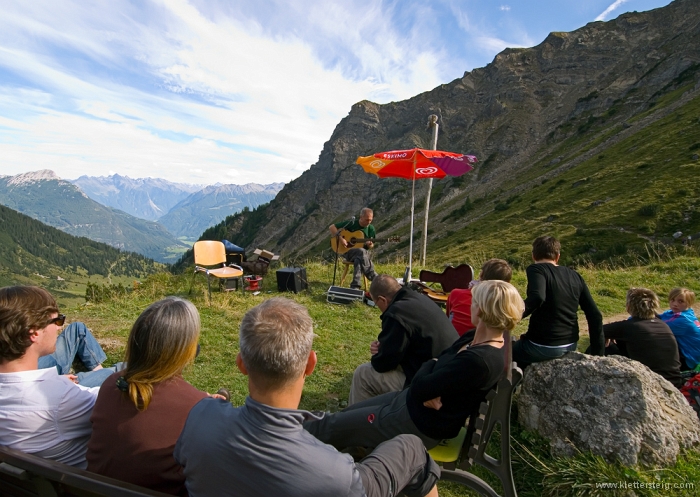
(340, 295)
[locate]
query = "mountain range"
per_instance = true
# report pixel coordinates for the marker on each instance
(47, 198)
(185, 210)
(205, 208)
(592, 136)
(147, 198)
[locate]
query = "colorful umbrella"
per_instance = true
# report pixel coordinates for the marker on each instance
(413, 164)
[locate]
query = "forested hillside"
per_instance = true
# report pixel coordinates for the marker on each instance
(29, 247)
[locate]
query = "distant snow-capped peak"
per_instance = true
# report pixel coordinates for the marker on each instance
(33, 177)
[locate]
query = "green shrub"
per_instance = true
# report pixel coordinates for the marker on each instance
(648, 210)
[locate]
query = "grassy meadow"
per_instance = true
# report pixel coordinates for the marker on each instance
(343, 336)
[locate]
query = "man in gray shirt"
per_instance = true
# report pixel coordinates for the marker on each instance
(261, 448)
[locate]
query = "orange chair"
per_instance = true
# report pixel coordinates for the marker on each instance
(212, 253)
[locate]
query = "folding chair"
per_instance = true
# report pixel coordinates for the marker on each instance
(213, 253)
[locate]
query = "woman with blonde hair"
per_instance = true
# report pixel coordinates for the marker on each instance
(684, 325)
(444, 391)
(141, 411)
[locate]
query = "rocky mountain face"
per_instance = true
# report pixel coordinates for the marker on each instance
(589, 88)
(211, 205)
(147, 198)
(47, 198)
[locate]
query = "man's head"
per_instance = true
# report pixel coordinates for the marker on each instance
(366, 216)
(25, 312)
(275, 343)
(383, 289)
(496, 269)
(546, 248)
(642, 303)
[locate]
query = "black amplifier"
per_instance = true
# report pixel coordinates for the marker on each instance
(292, 279)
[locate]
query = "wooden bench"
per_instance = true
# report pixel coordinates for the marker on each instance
(459, 455)
(26, 475)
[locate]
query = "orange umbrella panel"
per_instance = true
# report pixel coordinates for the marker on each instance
(417, 163)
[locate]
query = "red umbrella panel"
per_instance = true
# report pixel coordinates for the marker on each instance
(413, 164)
(417, 163)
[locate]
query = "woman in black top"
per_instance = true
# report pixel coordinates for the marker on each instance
(444, 391)
(644, 337)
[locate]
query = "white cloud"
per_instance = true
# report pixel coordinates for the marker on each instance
(225, 93)
(610, 8)
(504, 8)
(495, 45)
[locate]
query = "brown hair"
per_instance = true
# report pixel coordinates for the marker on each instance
(496, 269)
(22, 309)
(162, 342)
(642, 303)
(688, 295)
(545, 248)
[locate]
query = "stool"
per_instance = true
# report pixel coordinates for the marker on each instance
(346, 268)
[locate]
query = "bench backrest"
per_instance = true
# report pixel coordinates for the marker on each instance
(23, 474)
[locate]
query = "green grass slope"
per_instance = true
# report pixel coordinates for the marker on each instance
(637, 190)
(34, 253)
(342, 342)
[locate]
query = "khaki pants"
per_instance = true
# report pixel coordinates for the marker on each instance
(368, 383)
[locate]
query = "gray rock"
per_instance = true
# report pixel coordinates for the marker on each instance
(611, 406)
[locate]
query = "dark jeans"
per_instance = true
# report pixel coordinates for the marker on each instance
(368, 423)
(525, 352)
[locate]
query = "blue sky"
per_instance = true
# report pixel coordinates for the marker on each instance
(206, 91)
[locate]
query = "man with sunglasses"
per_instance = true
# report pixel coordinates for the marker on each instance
(42, 410)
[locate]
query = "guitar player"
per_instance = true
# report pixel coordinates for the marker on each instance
(358, 255)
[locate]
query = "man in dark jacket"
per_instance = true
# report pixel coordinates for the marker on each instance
(414, 330)
(554, 295)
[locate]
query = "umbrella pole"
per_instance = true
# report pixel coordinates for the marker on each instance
(413, 202)
(432, 122)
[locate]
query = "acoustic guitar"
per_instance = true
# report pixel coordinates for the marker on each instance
(355, 239)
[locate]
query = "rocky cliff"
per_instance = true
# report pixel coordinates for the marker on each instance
(589, 89)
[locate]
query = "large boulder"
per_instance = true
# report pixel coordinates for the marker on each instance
(611, 406)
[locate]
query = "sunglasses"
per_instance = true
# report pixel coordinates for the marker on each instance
(58, 320)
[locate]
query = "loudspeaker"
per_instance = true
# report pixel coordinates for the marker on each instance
(292, 279)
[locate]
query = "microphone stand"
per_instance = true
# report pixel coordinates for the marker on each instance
(337, 247)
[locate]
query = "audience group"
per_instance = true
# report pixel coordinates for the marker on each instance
(141, 422)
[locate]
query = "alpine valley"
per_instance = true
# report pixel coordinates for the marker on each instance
(121, 212)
